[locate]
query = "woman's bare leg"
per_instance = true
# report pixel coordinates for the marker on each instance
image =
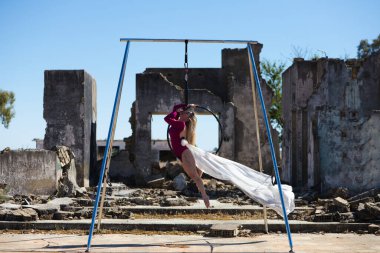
(190, 168)
(200, 173)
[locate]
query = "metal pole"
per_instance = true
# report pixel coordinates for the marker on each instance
(257, 81)
(100, 215)
(189, 40)
(110, 136)
(258, 138)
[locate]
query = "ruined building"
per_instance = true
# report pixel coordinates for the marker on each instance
(70, 113)
(331, 110)
(226, 91)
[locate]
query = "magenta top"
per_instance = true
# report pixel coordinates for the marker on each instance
(176, 128)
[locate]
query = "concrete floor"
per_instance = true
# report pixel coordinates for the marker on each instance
(192, 243)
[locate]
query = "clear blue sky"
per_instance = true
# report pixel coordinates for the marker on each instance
(71, 34)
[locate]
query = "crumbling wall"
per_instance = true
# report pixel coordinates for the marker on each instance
(156, 95)
(30, 171)
(331, 124)
(70, 114)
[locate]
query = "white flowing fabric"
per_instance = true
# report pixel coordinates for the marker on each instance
(256, 185)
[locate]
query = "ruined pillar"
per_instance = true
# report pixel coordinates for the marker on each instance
(70, 114)
(154, 95)
(235, 66)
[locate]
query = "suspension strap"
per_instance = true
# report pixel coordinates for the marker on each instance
(186, 66)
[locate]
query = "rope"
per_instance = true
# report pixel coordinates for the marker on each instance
(186, 66)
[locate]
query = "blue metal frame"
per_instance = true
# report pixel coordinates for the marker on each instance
(110, 136)
(115, 113)
(257, 81)
(189, 40)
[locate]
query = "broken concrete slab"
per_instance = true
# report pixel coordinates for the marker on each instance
(355, 203)
(10, 206)
(373, 209)
(369, 193)
(155, 181)
(174, 202)
(27, 214)
(373, 228)
(63, 215)
(118, 213)
(225, 230)
(339, 205)
(180, 182)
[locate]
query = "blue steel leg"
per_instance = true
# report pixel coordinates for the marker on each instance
(110, 136)
(252, 59)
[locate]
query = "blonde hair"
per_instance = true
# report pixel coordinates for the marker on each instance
(191, 124)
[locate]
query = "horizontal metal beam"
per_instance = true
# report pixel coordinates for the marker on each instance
(189, 40)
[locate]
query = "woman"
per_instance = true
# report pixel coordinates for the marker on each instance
(183, 122)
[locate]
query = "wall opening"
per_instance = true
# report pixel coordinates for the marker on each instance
(207, 134)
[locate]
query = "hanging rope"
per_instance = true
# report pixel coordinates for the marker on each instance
(186, 66)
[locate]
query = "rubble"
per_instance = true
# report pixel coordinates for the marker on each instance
(179, 182)
(173, 170)
(63, 215)
(339, 205)
(181, 192)
(26, 214)
(67, 184)
(118, 213)
(174, 202)
(155, 181)
(372, 228)
(342, 192)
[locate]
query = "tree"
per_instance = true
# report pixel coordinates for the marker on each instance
(7, 99)
(365, 48)
(272, 73)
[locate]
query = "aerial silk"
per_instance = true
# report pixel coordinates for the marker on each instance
(256, 185)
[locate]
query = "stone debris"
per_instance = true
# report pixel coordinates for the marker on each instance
(339, 205)
(359, 208)
(26, 214)
(174, 202)
(67, 184)
(10, 206)
(225, 230)
(63, 215)
(373, 228)
(180, 182)
(173, 170)
(118, 213)
(155, 181)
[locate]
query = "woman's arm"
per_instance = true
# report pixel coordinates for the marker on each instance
(172, 118)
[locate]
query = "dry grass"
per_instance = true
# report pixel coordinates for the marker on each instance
(197, 216)
(103, 231)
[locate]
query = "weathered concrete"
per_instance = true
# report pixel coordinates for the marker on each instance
(70, 114)
(332, 123)
(227, 91)
(338, 243)
(30, 171)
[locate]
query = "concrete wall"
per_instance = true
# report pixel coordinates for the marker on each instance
(235, 65)
(70, 114)
(331, 124)
(30, 171)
